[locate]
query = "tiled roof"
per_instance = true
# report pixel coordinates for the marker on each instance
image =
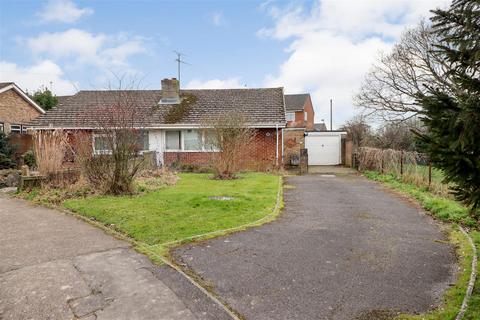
(5, 84)
(82, 110)
(295, 102)
(320, 126)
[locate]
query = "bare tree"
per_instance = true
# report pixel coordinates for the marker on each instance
(117, 138)
(392, 86)
(228, 135)
(358, 130)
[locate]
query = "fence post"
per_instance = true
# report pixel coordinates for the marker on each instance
(401, 163)
(429, 174)
(381, 169)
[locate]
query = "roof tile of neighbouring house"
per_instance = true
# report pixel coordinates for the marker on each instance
(320, 126)
(263, 106)
(5, 84)
(296, 102)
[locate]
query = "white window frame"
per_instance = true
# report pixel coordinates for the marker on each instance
(24, 129)
(182, 142)
(100, 152)
(305, 115)
(16, 128)
(290, 116)
(2, 127)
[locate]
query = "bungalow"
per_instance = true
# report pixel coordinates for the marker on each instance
(179, 139)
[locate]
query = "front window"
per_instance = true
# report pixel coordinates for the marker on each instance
(290, 116)
(142, 142)
(210, 140)
(305, 116)
(192, 140)
(173, 140)
(101, 144)
(15, 128)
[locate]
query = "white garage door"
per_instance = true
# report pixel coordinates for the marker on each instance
(324, 148)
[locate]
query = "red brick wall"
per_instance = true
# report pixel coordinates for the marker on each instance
(260, 153)
(300, 121)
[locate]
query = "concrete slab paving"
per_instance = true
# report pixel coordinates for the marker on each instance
(54, 266)
(344, 248)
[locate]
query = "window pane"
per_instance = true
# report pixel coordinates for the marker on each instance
(211, 143)
(173, 140)
(142, 142)
(15, 128)
(192, 140)
(101, 143)
(290, 116)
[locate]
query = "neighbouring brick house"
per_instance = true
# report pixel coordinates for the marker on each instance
(180, 141)
(17, 110)
(300, 117)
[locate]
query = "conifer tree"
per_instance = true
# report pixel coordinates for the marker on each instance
(452, 119)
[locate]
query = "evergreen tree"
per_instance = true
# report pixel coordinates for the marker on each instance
(452, 140)
(6, 153)
(45, 99)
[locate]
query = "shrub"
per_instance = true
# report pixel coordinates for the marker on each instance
(29, 158)
(6, 153)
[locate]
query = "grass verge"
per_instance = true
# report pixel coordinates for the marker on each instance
(450, 211)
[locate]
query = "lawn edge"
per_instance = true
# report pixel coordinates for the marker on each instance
(474, 256)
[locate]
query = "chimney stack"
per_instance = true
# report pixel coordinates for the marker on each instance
(170, 91)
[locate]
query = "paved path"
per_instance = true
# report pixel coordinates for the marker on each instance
(343, 249)
(54, 266)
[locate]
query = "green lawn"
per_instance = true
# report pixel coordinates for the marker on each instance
(450, 211)
(186, 209)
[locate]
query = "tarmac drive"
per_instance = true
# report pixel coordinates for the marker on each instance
(344, 248)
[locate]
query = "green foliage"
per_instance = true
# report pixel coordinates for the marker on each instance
(45, 99)
(452, 118)
(442, 208)
(186, 209)
(7, 153)
(29, 158)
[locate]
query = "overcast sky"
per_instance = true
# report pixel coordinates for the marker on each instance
(321, 47)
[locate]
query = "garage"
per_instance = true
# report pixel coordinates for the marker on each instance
(324, 148)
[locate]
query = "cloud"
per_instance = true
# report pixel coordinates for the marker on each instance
(33, 77)
(83, 47)
(228, 83)
(217, 19)
(333, 44)
(65, 11)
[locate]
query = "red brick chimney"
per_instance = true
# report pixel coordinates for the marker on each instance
(170, 91)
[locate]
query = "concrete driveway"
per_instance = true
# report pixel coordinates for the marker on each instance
(54, 266)
(344, 248)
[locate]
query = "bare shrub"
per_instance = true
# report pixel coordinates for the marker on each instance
(228, 135)
(50, 147)
(117, 119)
